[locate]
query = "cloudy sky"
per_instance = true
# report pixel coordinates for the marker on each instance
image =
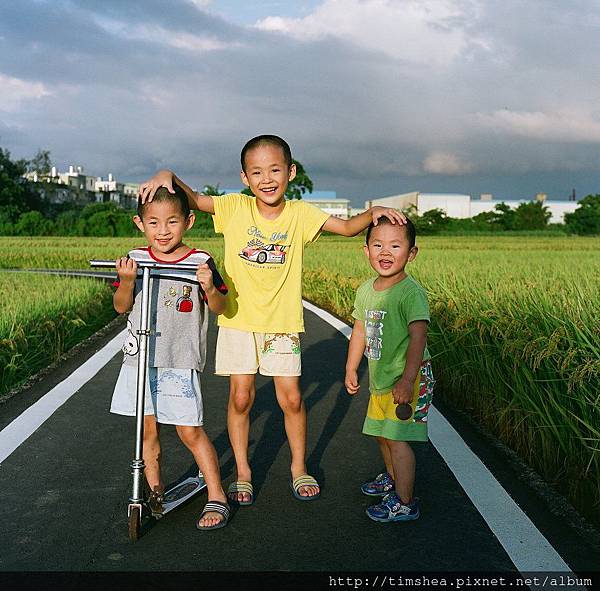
(376, 97)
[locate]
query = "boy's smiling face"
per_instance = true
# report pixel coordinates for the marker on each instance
(267, 174)
(389, 250)
(164, 225)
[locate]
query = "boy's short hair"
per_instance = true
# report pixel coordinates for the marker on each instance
(411, 232)
(163, 194)
(261, 140)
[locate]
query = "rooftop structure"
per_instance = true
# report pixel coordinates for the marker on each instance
(458, 205)
(77, 187)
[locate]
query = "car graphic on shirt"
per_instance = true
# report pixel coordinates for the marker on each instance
(265, 253)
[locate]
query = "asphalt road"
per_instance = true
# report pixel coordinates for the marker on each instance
(65, 489)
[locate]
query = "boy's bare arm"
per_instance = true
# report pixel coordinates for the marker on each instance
(166, 178)
(214, 298)
(417, 335)
(356, 224)
(123, 296)
(356, 349)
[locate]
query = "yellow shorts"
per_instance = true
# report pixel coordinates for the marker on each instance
(271, 354)
(381, 419)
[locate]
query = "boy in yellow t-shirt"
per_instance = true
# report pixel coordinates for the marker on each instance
(265, 237)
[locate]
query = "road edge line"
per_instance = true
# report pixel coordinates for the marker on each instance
(27, 423)
(525, 545)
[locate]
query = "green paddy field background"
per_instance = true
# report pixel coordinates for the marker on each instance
(515, 331)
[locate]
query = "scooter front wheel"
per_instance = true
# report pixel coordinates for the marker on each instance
(135, 523)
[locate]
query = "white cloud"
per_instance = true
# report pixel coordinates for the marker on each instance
(158, 34)
(14, 91)
(446, 163)
(561, 126)
(423, 32)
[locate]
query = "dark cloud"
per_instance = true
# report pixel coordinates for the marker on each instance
(137, 85)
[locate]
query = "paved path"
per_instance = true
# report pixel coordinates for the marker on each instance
(65, 489)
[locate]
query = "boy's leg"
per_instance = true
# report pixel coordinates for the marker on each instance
(242, 393)
(196, 440)
(403, 462)
(287, 389)
(385, 454)
(151, 454)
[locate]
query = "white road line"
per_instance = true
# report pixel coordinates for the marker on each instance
(523, 542)
(16, 432)
(528, 549)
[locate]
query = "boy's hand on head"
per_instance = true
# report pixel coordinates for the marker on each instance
(126, 269)
(163, 178)
(392, 214)
(205, 277)
(351, 382)
(403, 391)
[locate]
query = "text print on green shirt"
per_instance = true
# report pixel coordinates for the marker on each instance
(374, 333)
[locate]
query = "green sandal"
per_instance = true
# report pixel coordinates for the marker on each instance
(240, 486)
(304, 480)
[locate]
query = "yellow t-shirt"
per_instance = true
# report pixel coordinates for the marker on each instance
(263, 262)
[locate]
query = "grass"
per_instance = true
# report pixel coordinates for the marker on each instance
(515, 338)
(515, 332)
(42, 317)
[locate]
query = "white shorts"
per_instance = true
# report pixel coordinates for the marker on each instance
(271, 354)
(173, 396)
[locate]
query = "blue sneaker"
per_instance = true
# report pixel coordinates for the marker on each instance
(392, 508)
(379, 487)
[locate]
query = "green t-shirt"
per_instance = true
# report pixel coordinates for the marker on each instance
(386, 315)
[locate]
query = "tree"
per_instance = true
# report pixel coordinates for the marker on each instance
(585, 219)
(213, 190)
(531, 216)
(504, 217)
(297, 187)
(40, 163)
(300, 184)
(15, 191)
(33, 223)
(432, 221)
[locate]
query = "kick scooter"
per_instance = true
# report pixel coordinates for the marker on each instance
(190, 486)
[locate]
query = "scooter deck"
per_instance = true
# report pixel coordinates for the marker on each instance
(181, 492)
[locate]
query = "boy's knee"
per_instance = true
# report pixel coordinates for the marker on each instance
(241, 400)
(188, 435)
(291, 402)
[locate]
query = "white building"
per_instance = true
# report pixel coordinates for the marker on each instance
(339, 208)
(63, 187)
(77, 187)
(464, 206)
(109, 189)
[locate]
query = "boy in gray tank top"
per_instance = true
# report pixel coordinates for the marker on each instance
(179, 307)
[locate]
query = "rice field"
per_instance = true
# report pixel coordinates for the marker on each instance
(43, 316)
(515, 336)
(515, 332)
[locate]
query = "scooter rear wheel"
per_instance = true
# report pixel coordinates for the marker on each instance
(135, 524)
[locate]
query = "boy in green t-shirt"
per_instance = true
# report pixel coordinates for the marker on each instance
(390, 328)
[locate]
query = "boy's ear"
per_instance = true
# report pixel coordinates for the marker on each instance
(137, 220)
(413, 253)
(292, 174)
(366, 250)
(244, 178)
(190, 220)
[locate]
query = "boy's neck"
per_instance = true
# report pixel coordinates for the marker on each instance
(270, 211)
(172, 255)
(382, 283)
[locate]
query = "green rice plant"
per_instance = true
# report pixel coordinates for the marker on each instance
(514, 332)
(56, 252)
(42, 317)
(515, 339)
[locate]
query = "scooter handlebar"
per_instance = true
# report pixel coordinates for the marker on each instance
(143, 264)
